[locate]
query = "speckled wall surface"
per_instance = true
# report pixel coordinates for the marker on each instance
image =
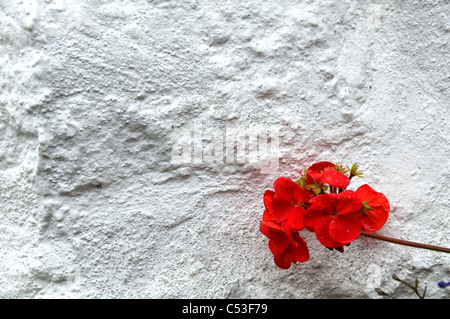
(93, 93)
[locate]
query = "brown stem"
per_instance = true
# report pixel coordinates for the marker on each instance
(405, 242)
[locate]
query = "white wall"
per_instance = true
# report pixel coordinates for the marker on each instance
(92, 94)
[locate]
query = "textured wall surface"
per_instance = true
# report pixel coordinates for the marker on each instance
(92, 91)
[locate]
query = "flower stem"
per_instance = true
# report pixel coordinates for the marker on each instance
(405, 242)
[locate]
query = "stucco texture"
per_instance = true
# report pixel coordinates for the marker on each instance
(92, 204)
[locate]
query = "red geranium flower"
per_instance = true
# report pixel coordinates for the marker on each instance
(325, 173)
(314, 172)
(319, 200)
(335, 218)
(284, 253)
(286, 247)
(286, 203)
(282, 219)
(375, 209)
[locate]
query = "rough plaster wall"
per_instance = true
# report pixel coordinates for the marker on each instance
(91, 91)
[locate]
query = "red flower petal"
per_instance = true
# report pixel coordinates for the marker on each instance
(383, 201)
(374, 219)
(290, 236)
(332, 177)
(322, 231)
(299, 253)
(281, 209)
(312, 177)
(345, 228)
(282, 260)
(272, 225)
(316, 214)
(295, 218)
(320, 166)
(278, 246)
(347, 202)
(367, 193)
(267, 216)
(268, 200)
(286, 189)
(271, 230)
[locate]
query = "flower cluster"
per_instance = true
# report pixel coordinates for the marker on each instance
(320, 202)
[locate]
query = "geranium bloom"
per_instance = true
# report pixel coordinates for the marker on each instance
(375, 209)
(282, 219)
(286, 247)
(335, 218)
(315, 170)
(284, 253)
(319, 200)
(325, 173)
(286, 203)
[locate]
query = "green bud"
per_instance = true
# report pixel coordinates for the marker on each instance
(353, 171)
(341, 169)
